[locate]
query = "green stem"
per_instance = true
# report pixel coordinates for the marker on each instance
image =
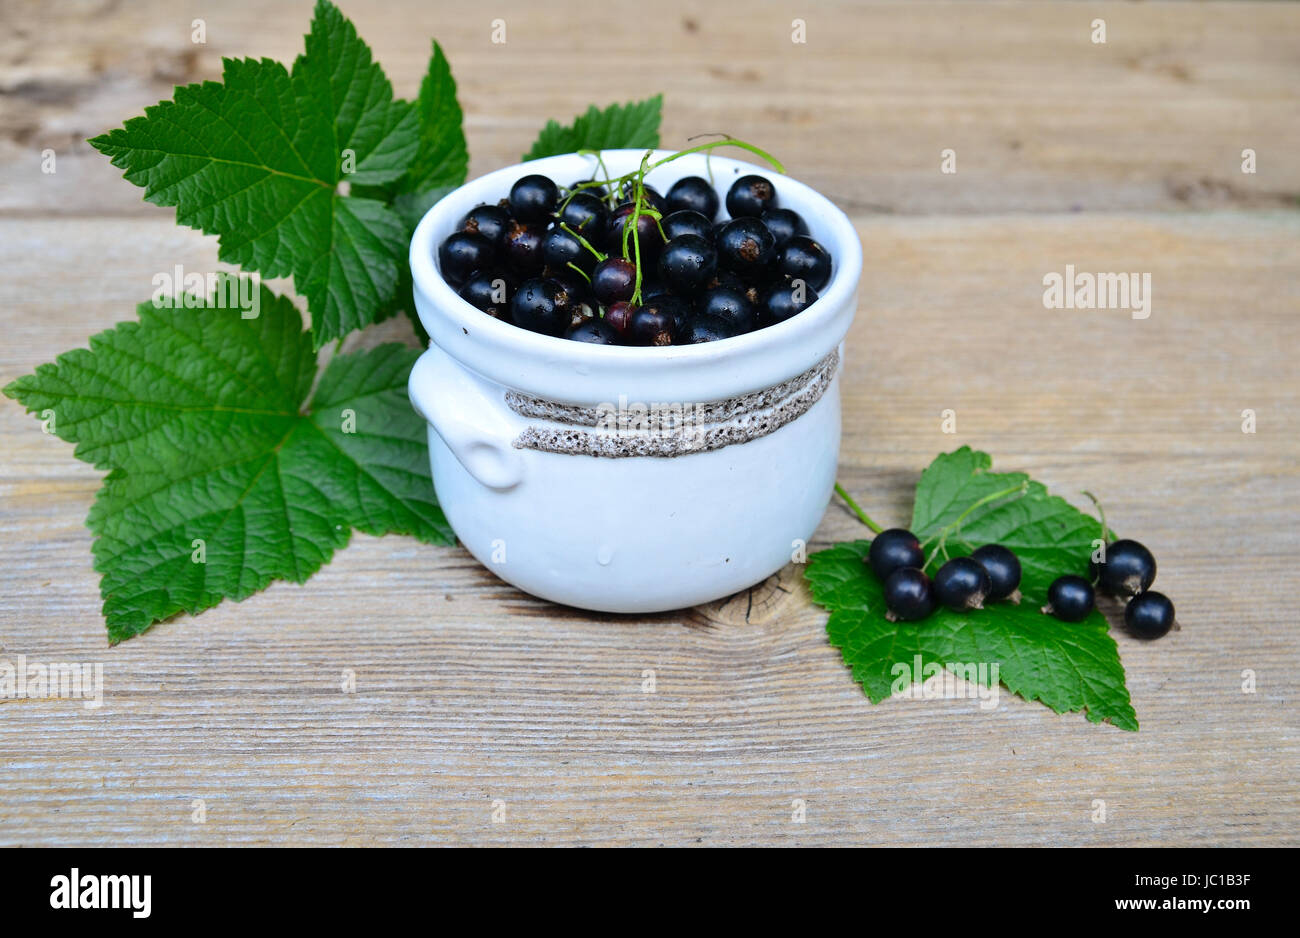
(979, 503)
(638, 203)
(659, 223)
(600, 255)
(600, 161)
(613, 184)
(604, 170)
(1101, 513)
(580, 187)
(942, 533)
(708, 157)
(862, 515)
(631, 226)
(729, 142)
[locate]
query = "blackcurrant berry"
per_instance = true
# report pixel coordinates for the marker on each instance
(533, 198)
(686, 221)
(490, 221)
(489, 292)
(962, 584)
(463, 253)
(647, 232)
(581, 312)
(559, 249)
(652, 196)
(687, 263)
(726, 278)
(745, 246)
(1003, 569)
(594, 331)
(577, 294)
(599, 191)
(1149, 615)
(541, 305)
(784, 223)
(704, 328)
(1070, 598)
(678, 307)
(613, 279)
(522, 248)
(750, 196)
(619, 316)
(730, 304)
(587, 215)
(804, 259)
(1128, 569)
(892, 550)
(909, 595)
(655, 323)
(651, 283)
(692, 193)
(784, 299)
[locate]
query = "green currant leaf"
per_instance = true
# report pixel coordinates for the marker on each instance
(1067, 666)
(257, 159)
(224, 473)
(1049, 535)
(442, 162)
(634, 125)
(440, 166)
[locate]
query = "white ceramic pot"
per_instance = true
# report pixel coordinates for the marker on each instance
(511, 434)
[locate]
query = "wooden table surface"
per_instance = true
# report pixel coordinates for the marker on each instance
(1123, 156)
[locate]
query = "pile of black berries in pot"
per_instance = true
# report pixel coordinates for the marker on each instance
(614, 262)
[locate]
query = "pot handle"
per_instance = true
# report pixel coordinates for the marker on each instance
(458, 407)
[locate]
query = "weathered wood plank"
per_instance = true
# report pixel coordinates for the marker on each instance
(468, 691)
(1041, 117)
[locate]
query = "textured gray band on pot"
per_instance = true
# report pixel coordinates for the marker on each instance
(587, 431)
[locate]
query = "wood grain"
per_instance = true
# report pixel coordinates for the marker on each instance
(1123, 157)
